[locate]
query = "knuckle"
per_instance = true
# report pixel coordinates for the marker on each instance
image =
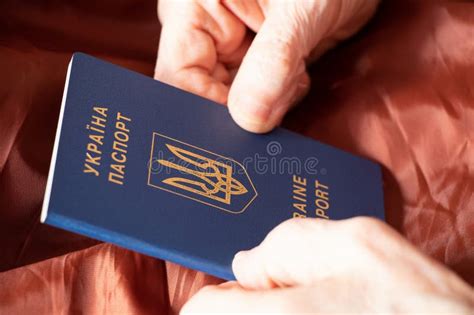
(364, 226)
(282, 235)
(231, 37)
(295, 229)
(290, 227)
(368, 236)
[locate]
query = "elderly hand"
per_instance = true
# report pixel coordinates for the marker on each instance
(207, 48)
(358, 265)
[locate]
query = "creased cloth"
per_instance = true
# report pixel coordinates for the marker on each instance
(401, 93)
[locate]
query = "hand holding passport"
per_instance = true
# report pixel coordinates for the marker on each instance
(311, 266)
(318, 266)
(169, 174)
(166, 173)
(203, 44)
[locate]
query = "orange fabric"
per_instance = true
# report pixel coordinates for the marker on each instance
(400, 93)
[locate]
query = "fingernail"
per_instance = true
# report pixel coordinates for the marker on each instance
(251, 116)
(256, 112)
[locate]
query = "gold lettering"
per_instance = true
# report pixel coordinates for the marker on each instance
(116, 144)
(121, 159)
(298, 215)
(119, 168)
(90, 169)
(318, 184)
(299, 190)
(92, 147)
(121, 125)
(113, 178)
(95, 129)
(119, 146)
(322, 194)
(98, 121)
(121, 136)
(299, 194)
(101, 110)
(322, 199)
(300, 206)
(120, 117)
(92, 160)
(299, 198)
(321, 203)
(97, 139)
(299, 180)
(321, 213)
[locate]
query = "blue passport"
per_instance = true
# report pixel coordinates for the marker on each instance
(166, 173)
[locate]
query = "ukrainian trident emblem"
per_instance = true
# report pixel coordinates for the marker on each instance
(200, 175)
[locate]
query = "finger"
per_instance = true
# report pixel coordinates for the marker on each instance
(192, 37)
(304, 251)
(248, 11)
(234, 59)
(225, 28)
(269, 77)
(231, 297)
(328, 296)
(190, 69)
(199, 81)
(221, 74)
(340, 295)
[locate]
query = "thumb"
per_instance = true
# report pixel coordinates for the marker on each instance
(272, 76)
(302, 252)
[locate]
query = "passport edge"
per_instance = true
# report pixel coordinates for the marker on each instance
(52, 166)
(130, 243)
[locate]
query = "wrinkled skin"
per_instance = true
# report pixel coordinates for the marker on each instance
(355, 266)
(207, 48)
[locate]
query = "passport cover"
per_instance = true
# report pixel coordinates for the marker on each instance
(155, 169)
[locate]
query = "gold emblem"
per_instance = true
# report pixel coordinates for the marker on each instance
(200, 175)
